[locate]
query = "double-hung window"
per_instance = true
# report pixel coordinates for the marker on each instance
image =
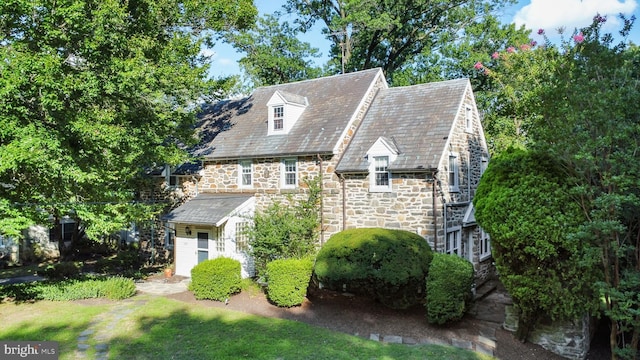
(289, 173)
(454, 241)
(278, 118)
(454, 179)
(380, 176)
(381, 165)
(246, 173)
(485, 245)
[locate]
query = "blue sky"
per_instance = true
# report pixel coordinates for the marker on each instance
(533, 14)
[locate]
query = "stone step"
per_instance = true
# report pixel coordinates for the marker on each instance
(485, 289)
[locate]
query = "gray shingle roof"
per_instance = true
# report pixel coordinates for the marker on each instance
(206, 209)
(294, 98)
(238, 128)
(418, 118)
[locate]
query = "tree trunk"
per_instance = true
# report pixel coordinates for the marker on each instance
(635, 341)
(56, 236)
(525, 325)
(613, 339)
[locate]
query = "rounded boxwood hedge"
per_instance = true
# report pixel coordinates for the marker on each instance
(448, 288)
(216, 279)
(388, 265)
(288, 281)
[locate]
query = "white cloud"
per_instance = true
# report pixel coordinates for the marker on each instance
(226, 61)
(207, 52)
(570, 14)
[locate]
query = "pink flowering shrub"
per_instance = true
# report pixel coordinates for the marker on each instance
(578, 38)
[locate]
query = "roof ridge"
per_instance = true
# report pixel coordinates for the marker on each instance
(322, 78)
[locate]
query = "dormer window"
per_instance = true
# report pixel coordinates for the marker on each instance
(381, 154)
(278, 118)
(381, 170)
(284, 111)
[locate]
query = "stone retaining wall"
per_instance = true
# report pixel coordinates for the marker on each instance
(569, 339)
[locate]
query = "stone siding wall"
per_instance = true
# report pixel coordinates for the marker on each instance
(409, 206)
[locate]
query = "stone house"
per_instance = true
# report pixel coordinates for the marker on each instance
(403, 158)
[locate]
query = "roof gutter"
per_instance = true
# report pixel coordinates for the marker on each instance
(258, 156)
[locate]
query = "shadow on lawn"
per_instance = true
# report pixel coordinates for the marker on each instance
(220, 334)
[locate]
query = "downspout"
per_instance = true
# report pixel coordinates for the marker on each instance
(344, 202)
(469, 176)
(321, 200)
(435, 213)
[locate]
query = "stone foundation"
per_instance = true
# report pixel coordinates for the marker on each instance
(569, 339)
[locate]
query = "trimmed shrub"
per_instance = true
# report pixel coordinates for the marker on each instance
(389, 265)
(62, 270)
(448, 288)
(69, 290)
(118, 288)
(114, 288)
(216, 279)
(288, 281)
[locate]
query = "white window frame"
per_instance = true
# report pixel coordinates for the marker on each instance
(485, 245)
(373, 175)
(202, 250)
(285, 171)
(468, 119)
(278, 118)
(220, 240)
(453, 169)
(65, 222)
(453, 241)
(242, 236)
(243, 165)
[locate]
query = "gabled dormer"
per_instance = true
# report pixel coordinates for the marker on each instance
(284, 110)
(380, 155)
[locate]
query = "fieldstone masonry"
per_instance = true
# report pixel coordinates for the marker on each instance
(416, 203)
(569, 339)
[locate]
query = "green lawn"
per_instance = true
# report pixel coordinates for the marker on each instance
(168, 329)
(47, 321)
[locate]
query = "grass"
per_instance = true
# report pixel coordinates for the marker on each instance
(167, 329)
(47, 321)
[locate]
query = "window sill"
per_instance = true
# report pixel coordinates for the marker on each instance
(380, 190)
(484, 257)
